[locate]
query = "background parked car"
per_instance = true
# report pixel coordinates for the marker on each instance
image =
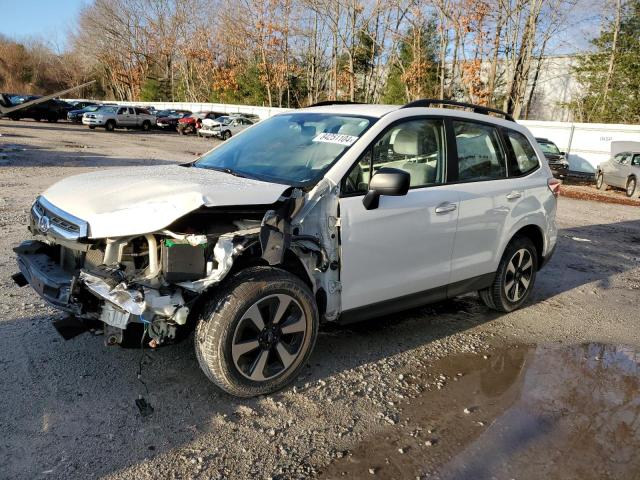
(191, 123)
(621, 171)
(223, 127)
(75, 116)
(557, 160)
(168, 119)
(51, 110)
(119, 117)
(80, 104)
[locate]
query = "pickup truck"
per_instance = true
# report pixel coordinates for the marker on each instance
(119, 117)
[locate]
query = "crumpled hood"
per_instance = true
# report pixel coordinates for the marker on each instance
(137, 200)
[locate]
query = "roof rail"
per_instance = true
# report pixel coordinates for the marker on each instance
(428, 102)
(333, 102)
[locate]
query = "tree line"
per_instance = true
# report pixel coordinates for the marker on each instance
(290, 53)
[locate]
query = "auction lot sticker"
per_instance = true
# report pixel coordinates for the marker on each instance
(338, 138)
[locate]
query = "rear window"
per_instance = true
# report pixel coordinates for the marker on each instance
(524, 159)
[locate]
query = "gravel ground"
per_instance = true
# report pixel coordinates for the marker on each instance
(68, 406)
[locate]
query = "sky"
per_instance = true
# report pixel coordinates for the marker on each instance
(51, 20)
(47, 19)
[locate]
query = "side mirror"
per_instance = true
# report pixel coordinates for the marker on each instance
(387, 181)
(563, 154)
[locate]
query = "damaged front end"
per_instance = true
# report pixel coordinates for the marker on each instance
(154, 279)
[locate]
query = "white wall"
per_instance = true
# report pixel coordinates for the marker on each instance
(587, 144)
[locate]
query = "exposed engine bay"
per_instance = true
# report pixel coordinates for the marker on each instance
(155, 279)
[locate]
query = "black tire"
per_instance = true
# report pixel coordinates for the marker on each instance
(600, 184)
(223, 324)
(146, 126)
(52, 117)
(226, 135)
(92, 127)
(632, 184)
(110, 126)
(499, 296)
(15, 119)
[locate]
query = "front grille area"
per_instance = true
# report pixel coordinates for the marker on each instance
(59, 222)
(56, 220)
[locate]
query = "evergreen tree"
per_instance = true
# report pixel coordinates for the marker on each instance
(414, 74)
(610, 77)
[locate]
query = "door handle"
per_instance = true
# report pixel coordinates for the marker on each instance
(445, 208)
(513, 195)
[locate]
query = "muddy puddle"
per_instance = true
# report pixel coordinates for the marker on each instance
(525, 412)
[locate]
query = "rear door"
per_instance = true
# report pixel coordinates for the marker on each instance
(614, 175)
(487, 198)
(123, 118)
(402, 249)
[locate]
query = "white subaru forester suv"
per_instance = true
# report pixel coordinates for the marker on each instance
(336, 212)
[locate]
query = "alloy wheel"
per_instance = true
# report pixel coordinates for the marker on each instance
(518, 275)
(269, 337)
(631, 187)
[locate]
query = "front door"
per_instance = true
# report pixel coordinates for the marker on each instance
(403, 247)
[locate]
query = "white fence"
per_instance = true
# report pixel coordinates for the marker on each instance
(586, 144)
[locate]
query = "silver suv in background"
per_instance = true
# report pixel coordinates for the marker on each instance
(621, 171)
(332, 213)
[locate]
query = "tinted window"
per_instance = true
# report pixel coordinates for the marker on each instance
(122, 111)
(480, 153)
(416, 146)
(636, 160)
(525, 159)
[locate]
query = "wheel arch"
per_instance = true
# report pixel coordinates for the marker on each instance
(533, 232)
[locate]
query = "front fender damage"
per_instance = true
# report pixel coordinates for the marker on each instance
(156, 278)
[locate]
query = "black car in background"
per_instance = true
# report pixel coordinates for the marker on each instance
(82, 104)
(557, 159)
(51, 110)
(168, 119)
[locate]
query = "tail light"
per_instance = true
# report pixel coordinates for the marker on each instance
(554, 186)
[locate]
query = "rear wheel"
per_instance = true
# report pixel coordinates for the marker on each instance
(631, 186)
(52, 117)
(514, 278)
(110, 126)
(257, 332)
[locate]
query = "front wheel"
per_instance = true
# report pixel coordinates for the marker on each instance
(631, 187)
(257, 332)
(226, 135)
(600, 185)
(110, 126)
(514, 278)
(146, 126)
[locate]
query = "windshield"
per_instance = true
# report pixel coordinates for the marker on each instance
(549, 148)
(294, 149)
(107, 109)
(224, 120)
(91, 108)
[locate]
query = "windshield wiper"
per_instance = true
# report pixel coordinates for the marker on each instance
(221, 169)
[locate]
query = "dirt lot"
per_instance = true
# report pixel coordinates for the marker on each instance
(447, 391)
